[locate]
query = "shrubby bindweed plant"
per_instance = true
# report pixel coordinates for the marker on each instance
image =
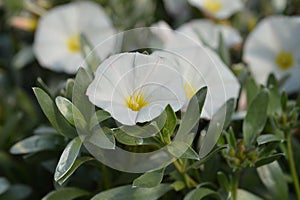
(149, 113)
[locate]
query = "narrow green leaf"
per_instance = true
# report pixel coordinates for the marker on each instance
(274, 179)
(223, 181)
(149, 179)
(178, 185)
(37, 143)
(67, 158)
(98, 117)
(128, 192)
(23, 57)
(78, 162)
(219, 121)
(230, 137)
(4, 185)
(190, 153)
(243, 194)
(69, 88)
(223, 50)
(69, 111)
(266, 138)
(197, 164)
(201, 193)
(52, 113)
(124, 138)
(252, 89)
(192, 115)
(66, 193)
(88, 52)
(170, 124)
(102, 137)
(268, 159)
(79, 98)
(256, 117)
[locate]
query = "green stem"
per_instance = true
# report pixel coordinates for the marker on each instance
(235, 185)
(292, 165)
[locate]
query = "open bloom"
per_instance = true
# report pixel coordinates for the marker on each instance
(274, 47)
(196, 32)
(57, 39)
(220, 9)
(209, 32)
(199, 67)
(134, 87)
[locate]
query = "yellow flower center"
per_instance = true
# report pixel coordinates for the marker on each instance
(73, 43)
(213, 6)
(284, 60)
(136, 102)
(189, 90)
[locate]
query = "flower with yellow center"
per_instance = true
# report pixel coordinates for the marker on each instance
(73, 43)
(135, 88)
(284, 60)
(57, 39)
(213, 6)
(273, 47)
(199, 67)
(220, 9)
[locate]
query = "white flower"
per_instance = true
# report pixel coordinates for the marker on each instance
(209, 32)
(57, 39)
(134, 87)
(274, 47)
(199, 67)
(196, 32)
(220, 9)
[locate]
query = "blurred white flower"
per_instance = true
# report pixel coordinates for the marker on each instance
(134, 87)
(219, 9)
(274, 47)
(199, 31)
(209, 32)
(199, 67)
(57, 39)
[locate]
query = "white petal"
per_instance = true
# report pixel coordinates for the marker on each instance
(61, 23)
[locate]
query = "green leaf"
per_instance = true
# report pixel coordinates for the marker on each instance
(274, 96)
(37, 143)
(23, 57)
(197, 164)
(252, 89)
(88, 52)
(79, 98)
(230, 137)
(256, 117)
(190, 154)
(99, 117)
(67, 193)
(69, 111)
(201, 193)
(67, 158)
(192, 115)
(16, 192)
(266, 138)
(178, 185)
(78, 162)
(223, 181)
(223, 50)
(69, 88)
(53, 115)
(268, 159)
(243, 194)
(170, 124)
(4, 185)
(101, 137)
(127, 192)
(274, 179)
(149, 179)
(124, 138)
(219, 121)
